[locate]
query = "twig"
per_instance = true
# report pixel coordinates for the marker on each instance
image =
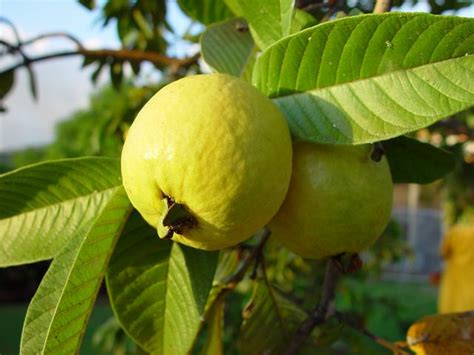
(320, 313)
(26, 62)
(52, 35)
(378, 152)
(12, 26)
(385, 343)
(382, 6)
(119, 54)
(232, 281)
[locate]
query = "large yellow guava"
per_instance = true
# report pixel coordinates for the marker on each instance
(339, 201)
(218, 149)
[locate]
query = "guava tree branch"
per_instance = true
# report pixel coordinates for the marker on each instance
(321, 312)
(134, 56)
(232, 281)
(52, 35)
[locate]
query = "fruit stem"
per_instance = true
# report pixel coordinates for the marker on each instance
(378, 152)
(176, 219)
(321, 312)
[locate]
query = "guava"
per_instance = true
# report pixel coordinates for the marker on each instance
(443, 334)
(207, 161)
(339, 200)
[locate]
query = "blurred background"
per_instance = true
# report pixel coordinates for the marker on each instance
(75, 105)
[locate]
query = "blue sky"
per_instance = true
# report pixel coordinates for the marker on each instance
(55, 15)
(63, 86)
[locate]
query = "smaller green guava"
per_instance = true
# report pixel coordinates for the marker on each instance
(339, 200)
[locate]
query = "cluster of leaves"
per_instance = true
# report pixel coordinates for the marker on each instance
(358, 79)
(141, 25)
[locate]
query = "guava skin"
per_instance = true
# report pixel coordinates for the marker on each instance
(216, 145)
(339, 201)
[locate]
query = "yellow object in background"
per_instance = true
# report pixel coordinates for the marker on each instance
(456, 292)
(443, 334)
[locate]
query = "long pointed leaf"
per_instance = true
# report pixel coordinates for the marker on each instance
(215, 332)
(158, 289)
(44, 205)
(372, 77)
(58, 314)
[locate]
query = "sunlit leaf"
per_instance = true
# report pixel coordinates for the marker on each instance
(371, 77)
(59, 311)
(43, 206)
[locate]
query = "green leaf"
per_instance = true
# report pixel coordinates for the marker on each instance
(215, 331)
(228, 47)
(32, 82)
(7, 79)
(269, 20)
(227, 264)
(412, 161)
(371, 77)
(135, 67)
(88, 61)
(206, 11)
(234, 6)
(88, 4)
(97, 71)
(116, 74)
(270, 322)
(44, 205)
(158, 288)
(59, 311)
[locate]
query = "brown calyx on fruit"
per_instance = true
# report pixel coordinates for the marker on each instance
(347, 263)
(176, 219)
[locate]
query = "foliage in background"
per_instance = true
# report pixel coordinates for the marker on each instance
(456, 135)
